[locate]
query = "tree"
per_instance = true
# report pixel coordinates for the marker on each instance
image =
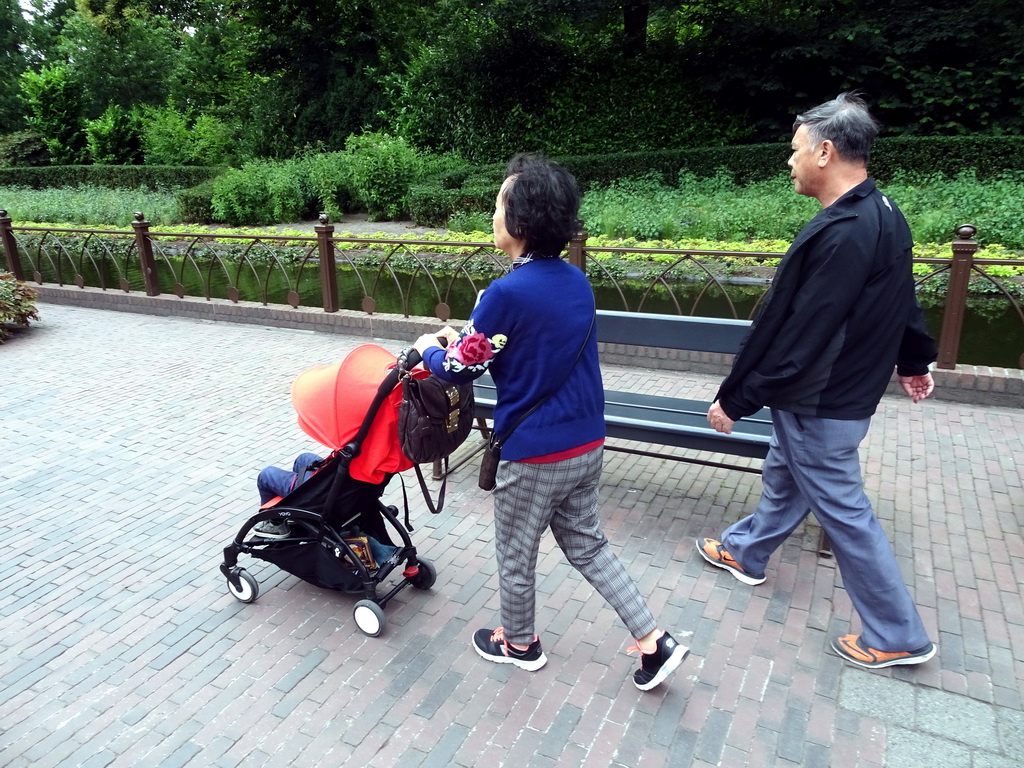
(317, 62)
(55, 112)
(126, 61)
(13, 60)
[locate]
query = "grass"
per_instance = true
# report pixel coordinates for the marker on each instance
(709, 211)
(88, 205)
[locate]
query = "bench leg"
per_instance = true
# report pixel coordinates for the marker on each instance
(824, 545)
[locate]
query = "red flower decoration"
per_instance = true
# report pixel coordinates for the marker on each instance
(473, 349)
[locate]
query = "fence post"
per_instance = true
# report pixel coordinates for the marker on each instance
(964, 248)
(328, 271)
(577, 252)
(145, 248)
(10, 246)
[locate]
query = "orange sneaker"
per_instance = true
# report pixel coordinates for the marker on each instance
(853, 649)
(715, 553)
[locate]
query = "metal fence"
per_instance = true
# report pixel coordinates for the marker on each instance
(438, 278)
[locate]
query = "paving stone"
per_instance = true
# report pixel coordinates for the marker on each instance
(122, 647)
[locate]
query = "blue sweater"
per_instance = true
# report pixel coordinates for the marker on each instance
(526, 331)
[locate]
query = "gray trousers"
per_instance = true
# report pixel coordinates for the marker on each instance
(562, 496)
(813, 465)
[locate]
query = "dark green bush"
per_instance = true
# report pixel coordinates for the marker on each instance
(472, 189)
(23, 148)
(195, 204)
(111, 176)
(114, 138)
(988, 156)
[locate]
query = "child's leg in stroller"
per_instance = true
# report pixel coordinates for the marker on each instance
(273, 482)
(303, 460)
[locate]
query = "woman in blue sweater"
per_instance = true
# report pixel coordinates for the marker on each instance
(528, 330)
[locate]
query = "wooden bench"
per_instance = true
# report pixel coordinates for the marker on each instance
(668, 421)
(659, 420)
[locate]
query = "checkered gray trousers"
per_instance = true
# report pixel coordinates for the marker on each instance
(562, 496)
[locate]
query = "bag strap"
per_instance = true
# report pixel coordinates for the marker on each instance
(426, 491)
(497, 442)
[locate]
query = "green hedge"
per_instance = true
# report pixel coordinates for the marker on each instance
(471, 188)
(112, 176)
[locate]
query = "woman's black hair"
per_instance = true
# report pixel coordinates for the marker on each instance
(542, 204)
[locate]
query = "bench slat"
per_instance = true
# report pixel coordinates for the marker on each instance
(698, 334)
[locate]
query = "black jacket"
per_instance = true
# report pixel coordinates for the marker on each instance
(840, 314)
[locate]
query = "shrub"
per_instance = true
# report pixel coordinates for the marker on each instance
(17, 303)
(55, 106)
(148, 177)
(115, 138)
(261, 192)
(170, 137)
(212, 142)
(195, 204)
(24, 148)
(329, 181)
(165, 137)
(382, 169)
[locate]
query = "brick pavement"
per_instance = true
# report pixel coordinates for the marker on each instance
(130, 447)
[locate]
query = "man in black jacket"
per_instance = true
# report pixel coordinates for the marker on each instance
(841, 313)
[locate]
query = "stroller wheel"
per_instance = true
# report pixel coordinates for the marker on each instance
(426, 577)
(369, 617)
(247, 590)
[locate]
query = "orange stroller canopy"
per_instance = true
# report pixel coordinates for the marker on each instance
(332, 400)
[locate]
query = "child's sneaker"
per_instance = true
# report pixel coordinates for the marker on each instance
(492, 645)
(715, 553)
(853, 649)
(272, 529)
(656, 666)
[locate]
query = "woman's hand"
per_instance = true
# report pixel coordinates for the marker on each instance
(448, 334)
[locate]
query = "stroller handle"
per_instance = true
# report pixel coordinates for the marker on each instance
(414, 358)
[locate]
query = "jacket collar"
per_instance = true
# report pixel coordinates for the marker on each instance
(841, 209)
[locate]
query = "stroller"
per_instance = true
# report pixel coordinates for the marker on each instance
(333, 515)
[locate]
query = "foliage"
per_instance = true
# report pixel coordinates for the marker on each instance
(329, 179)
(766, 62)
(124, 60)
(382, 168)
(88, 205)
(55, 112)
(312, 66)
(261, 193)
(23, 149)
(149, 177)
(17, 303)
(114, 138)
(169, 137)
(13, 29)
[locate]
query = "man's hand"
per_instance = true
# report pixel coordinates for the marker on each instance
(718, 419)
(917, 387)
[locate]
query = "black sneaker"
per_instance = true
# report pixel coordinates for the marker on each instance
(655, 667)
(492, 645)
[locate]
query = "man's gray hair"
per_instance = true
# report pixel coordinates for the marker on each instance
(846, 122)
